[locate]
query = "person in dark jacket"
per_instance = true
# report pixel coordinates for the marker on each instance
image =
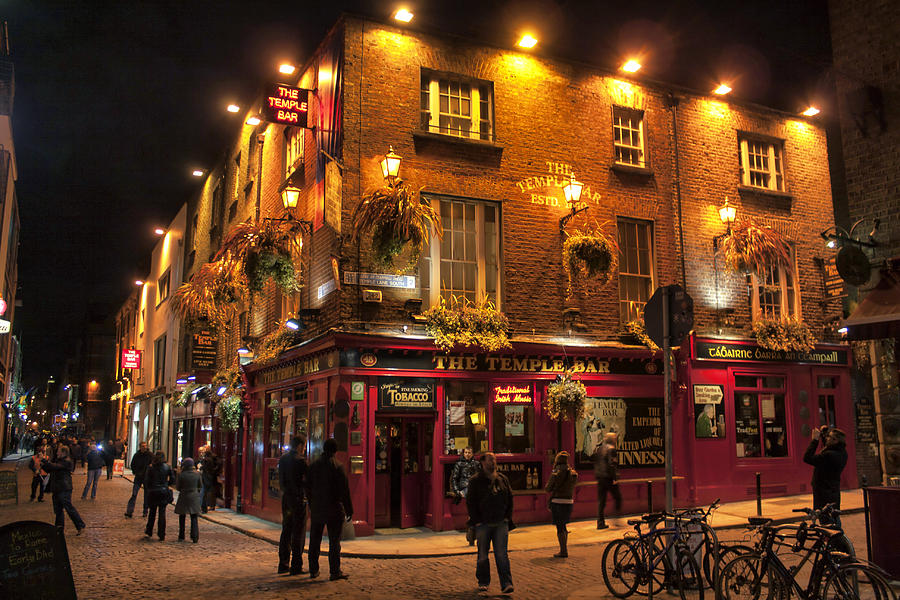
(210, 467)
(37, 481)
(827, 467)
(95, 462)
(463, 470)
(156, 485)
(606, 471)
(109, 457)
(139, 463)
(60, 485)
(328, 492)
(188, 486)
(292, 477)
(561, 488)
(490, 504)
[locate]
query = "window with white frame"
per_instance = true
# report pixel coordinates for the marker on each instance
(774, 293)
(457, 106)
(628, 136)
(465, 263)
(293, 149)
(762, 164)
(635, 267)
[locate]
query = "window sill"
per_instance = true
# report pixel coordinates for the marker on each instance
(631, 170)
(426, 140)
(750, 190)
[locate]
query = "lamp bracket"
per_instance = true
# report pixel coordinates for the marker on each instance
(566, 218)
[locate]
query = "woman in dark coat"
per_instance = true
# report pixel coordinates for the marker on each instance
(156, 485)
(188, 487)
(561, 488)
(60, 485)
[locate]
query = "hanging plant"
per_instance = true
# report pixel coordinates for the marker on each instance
(186, 394)
(465, 323)
(262, 266)
(565, 398)
(752, 246)
(273, 344)
(228, 410)
(229, 378)
(784, 335)
(397, 218)
(637, 330)
(861, 357)
(589, 253)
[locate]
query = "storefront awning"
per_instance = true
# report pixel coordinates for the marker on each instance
(878, 314)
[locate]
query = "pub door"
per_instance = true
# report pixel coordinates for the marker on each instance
(402, 471)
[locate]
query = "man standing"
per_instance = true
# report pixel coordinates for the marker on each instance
(292, 477)
(95, 463)
(464, 469)
(139, 463)
(490, 504)
(209, 477)
(109, 456)
(606, 471)
(827, 467)
(60, 486)
(328, 492)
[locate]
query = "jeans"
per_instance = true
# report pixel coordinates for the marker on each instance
(37, 483)
(195, 527)
(135, 488)
(93, 476)
(498, 535)
(158, 504)
(62, 501)
(293, 535)
(604, 486)
(316, 526)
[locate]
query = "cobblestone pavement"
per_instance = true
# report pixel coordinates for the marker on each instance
(113, 559)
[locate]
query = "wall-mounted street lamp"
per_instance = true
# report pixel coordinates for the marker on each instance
(727, 214)
(159, 231)
(290, 196)
(390, 165)
(293, 324)
(572, 190)
(253, 121)
(233, 108)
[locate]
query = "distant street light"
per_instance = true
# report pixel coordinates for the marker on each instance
(233, 108)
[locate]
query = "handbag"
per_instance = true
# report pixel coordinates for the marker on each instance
(348, 531)
(170, 496)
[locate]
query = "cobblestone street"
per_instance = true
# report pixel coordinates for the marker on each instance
(113, 559)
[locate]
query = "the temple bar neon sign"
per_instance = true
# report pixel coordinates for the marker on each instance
(286, 105)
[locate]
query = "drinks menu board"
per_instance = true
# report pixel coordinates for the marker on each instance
(34, 562)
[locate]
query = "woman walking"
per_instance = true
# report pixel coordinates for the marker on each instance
(38, 481)
(60, 486)
(606, 470)
(561, 488)
(158, 479)
(188, 487)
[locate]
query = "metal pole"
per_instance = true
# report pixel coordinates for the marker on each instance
(667, 398)
(239, 462)
(758, 496)
(649, 496)
(865, 487)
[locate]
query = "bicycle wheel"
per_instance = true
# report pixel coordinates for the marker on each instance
(745, 578)
(857, 581)
(713, 563)
(687, 576)
(621, 568)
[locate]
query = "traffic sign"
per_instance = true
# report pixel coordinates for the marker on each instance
(680, 313)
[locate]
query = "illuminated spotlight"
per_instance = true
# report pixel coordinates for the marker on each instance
(254, 121)
(722, 89)
(233, 108)
(292, 324)
(181, 381)
(632, 66)
(138, 282)
(197, 173)
(244, 351)
(527, 41)
(221, 391)
(159, 231)
(831, 244)
(842, 330)
(286, 68)
(192, 378)
(403, 15)
(810, 112)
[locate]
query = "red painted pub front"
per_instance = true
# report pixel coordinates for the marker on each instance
(402, 413)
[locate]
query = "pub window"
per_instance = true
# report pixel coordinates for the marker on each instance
(273, 408)
(457, 106)
(466, 404)
(465, 263)
(759, 416)
(774, 292)
(826, 386)
(513, 426)
(762, 165)
(628, 136)
(162, 287)
(293, 150)
(635, 267)
(159, 361)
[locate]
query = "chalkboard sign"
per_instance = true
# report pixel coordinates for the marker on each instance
(9, 489)
(865, 424)
(34, 562)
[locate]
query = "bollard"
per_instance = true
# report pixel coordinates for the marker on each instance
(758, 496)
(649, 496)
(865, 485)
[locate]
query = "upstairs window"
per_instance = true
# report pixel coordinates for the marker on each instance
(762, 165)
(635, 267)
(628, 136)
(457, 106)
(162, 287)
(293, 150)
(774, 292)
(159, 361)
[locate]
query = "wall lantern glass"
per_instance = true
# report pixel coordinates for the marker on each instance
(289, 197)
(727, 214)
(390, 165)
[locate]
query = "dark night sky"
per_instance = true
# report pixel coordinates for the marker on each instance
(116, 101)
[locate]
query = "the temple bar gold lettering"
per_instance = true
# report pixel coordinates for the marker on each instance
(297, 369)
(453, 362)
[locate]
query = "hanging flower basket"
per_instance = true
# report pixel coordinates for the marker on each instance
(397, 218)
(590, 254)
(228, 378)
(273, 344)
(565, 398)
(228, 410)
(638, 331)
(262, 266)
(753, 246)
(465, 323)
(186, 394)
(787, 336)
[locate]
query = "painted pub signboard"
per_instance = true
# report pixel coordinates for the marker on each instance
(406, 394)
